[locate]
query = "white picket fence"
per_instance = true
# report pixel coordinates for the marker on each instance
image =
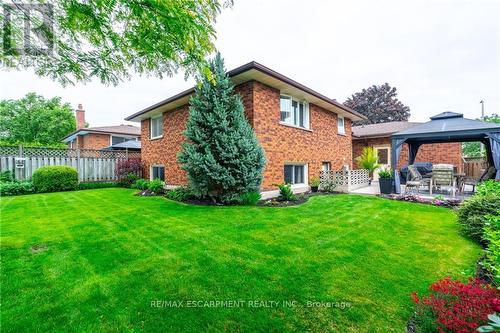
(92, 165)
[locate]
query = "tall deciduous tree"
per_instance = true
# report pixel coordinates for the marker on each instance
(107, 40)
(34, 119)
(222, 155)
(379, 104)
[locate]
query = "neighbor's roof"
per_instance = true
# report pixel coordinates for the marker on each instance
(448, 123)
(120, 129)
(380, 130)
(261, 73)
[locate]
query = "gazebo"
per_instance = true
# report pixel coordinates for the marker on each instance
(447, 127)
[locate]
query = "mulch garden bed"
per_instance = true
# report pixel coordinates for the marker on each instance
(445, 202)
(300, 199)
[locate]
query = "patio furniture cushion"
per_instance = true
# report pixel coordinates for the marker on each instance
(442, 174)
(425, 169)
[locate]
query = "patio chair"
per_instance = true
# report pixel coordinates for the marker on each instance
(442, 175)
(489, 173)
(415, 180)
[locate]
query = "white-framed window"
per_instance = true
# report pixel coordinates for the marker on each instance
(340, 125)
(326, 166)
(157, 171)
(156, 127)
(295, 173)
(294, 112)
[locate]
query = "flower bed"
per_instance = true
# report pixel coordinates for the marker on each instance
(441, 202)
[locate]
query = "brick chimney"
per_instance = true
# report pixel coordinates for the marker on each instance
(80, 117)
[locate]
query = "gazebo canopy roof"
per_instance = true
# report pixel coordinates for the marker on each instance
(448, 127)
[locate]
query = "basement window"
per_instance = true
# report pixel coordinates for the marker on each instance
(157, 171)
(295, 174)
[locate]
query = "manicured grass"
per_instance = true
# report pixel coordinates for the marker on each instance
(102, 256)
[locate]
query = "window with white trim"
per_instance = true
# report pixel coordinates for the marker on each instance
(340, 125)
(157, 171)
(294, 112)
(295, 174)
(326, 166)
(157, 127)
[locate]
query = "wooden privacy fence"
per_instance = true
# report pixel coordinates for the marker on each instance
(474, 167)
(345, 180)
(92, 165)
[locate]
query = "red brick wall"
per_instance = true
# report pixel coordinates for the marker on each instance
(94, 141)
(448, 153)
(281, 143)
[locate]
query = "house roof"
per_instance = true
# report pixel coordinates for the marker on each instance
(254, 71)
(448, 124)
(380, 130)
(119, 129)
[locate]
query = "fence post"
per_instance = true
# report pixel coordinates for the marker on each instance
(78, 164)
(20, 150)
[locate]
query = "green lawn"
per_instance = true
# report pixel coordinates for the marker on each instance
(102, 256)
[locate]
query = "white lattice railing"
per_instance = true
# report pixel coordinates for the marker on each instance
(345, 180)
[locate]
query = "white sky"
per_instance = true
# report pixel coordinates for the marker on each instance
(440, 55)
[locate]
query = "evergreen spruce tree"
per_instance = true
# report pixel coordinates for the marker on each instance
(222, 155)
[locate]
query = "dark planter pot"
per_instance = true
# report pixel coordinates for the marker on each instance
(314, 188)
(386, 185)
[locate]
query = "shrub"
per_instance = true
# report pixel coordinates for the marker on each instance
(93, 185)
(141, 184)
(491, 237)
(472, 214)
(249, 198)
(286, 193)
(128, 171)
(314, 182)
(16, 188)
(156, 186)
(368, 160)
(55, 178)
(181, 194)
(488, 187)
(453, 306)
(6, 176)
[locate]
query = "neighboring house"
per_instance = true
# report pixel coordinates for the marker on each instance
(100, 137)
(300, 130)
(378, 137)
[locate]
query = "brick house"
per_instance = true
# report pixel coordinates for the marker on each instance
(300, 130)
(100, 137)
(378, 136)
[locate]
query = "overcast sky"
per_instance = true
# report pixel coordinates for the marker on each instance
(440, 55)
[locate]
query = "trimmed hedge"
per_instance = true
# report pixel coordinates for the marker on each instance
(16, 188)
(94, 185)
(472, 215)
(55, 178)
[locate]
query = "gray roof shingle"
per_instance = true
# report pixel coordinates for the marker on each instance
(381, 130)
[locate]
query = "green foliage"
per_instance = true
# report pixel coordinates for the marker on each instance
(60, 145)
(286, 193)
(379, 104)
(368, 159)
(314, 182)
(16, 188)
(473, 149)
(488, 187)
(181, 194)
(473, 213)
(34, 120)
(491, 237)
(55, 178)
(6, 176)
(249, 198)
(156, 186)
(222, 155)
(119, 38)
(94, 185)
(141, 184)
(385, 173)
(493, 324)
(128, 179)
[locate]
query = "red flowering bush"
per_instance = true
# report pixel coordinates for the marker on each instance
(457, 307)
(128, 171)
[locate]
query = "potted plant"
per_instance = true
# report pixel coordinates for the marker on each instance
(385, 181)
(314, 183)
(369, 161)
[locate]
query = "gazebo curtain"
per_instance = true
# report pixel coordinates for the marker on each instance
(413, 150)
(397, 145)
(495, 151)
